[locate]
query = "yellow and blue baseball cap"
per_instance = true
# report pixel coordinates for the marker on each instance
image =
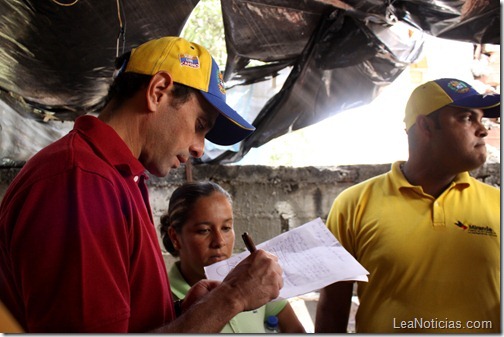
(434, 95)
(191, 64)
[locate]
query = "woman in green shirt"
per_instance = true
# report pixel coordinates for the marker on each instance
(198, 229)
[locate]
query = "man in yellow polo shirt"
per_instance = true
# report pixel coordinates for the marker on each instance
(427, 232)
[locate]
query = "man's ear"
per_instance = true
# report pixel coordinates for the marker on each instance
(159, 86)
(424, 125)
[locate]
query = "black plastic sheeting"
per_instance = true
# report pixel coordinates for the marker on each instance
(56, 62)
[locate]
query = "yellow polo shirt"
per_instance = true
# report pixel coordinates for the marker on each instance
(434, 264)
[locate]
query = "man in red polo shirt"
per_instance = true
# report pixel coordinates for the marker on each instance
(78, 247)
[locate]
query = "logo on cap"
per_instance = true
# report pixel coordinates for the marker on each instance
(458, 87)
(220, 79)
(189, 61)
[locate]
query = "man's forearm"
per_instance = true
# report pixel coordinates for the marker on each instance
(333, 308)
(208, 315)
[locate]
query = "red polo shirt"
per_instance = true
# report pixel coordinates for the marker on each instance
(78, 248)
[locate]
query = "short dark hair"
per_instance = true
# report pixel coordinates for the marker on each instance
(181, 205)
(126, 84)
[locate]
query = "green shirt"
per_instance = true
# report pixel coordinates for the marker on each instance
(245, 322)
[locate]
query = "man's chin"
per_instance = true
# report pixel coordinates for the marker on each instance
(159, 173)
(477, 163)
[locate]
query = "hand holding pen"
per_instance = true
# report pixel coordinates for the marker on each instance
(257, 278)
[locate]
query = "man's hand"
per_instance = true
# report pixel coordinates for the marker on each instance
(257, 279)
(198, 291)
(209, 305)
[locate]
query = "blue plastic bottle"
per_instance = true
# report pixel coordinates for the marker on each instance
(271, 324)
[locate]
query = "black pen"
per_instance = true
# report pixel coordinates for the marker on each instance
(248, 242)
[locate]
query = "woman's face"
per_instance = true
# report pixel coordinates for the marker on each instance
(207, 236)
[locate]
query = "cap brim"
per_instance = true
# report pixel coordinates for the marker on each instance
(490, 104)
(494, 112)
(230, 127)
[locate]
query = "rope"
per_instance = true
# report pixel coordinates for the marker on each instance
(65, 5)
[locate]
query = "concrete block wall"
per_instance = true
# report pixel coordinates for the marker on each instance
(266, 200)
(269, 200)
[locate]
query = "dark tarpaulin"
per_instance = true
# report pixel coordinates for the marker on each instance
(56, 61)
(59, 59)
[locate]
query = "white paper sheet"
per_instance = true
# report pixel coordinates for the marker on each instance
(310, 256)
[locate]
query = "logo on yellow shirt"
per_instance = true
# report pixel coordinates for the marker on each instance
(478, 230)
(461, 225)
